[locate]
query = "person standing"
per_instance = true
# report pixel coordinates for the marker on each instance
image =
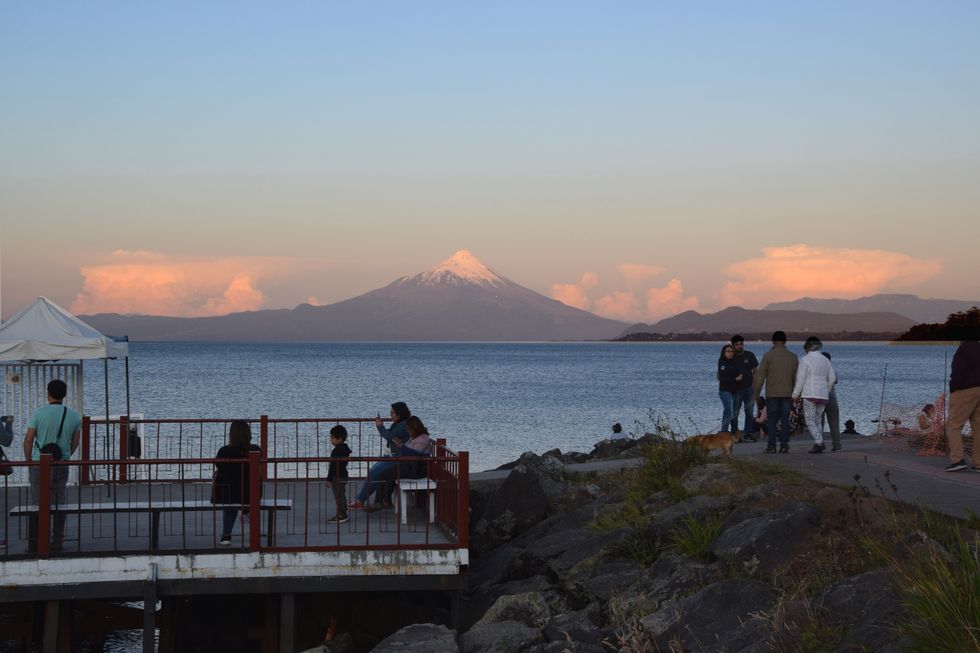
(746, 363)
(777, 373)
(54, 429)
(964, 404)
(337, 473)
(814, 381)
(728, 378)
(832, 413)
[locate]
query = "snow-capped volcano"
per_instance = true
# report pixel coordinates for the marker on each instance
(459, 299)
(461, 267)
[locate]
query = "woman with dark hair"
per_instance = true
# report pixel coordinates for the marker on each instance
(418, 446)
(231, 484)
(728, 378)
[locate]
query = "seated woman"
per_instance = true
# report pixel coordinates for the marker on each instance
(419, 445)
(924, 424)
(231, 485)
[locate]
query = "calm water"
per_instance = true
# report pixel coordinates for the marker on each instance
(494, 400)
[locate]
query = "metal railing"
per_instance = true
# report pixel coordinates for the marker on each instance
(289, 507)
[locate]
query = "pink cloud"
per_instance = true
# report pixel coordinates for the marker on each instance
(618, 305)
(784, 273)
(574, 294)
(669, 300)
(152, 283)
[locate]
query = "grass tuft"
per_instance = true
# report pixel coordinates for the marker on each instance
(694, 537)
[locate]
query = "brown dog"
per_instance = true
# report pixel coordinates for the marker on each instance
(721, 440)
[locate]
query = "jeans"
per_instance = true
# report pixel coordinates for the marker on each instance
(832, 414)
(229, 515)
(744, 400)
(372, 479)
(778, 409)
(59, 481)
(726, 404)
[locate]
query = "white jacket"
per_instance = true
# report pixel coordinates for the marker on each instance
(815, 378)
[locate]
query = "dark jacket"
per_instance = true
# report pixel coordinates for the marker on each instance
(338, 467)
(398, 431)
(230, 478)
(966, 367)
(745, 363)
(727, 371)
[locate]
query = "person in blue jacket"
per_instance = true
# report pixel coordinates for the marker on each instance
(395, 435)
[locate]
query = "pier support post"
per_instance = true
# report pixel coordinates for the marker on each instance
(287, 622)
(150, 610)
(51, 623)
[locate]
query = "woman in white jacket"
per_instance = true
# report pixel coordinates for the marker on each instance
(814, 381)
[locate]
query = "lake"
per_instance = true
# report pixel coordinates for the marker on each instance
(494, 400)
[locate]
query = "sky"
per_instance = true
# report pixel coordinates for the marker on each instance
(634, 159)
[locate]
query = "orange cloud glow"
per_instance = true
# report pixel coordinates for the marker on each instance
(574, 294)
(669, 300)
(152, 283)
(639, 271)
(786, 273)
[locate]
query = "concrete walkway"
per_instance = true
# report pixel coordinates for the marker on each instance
(918, 480)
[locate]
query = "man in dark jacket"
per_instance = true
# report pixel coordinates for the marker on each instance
(746, 363)
(964, 404)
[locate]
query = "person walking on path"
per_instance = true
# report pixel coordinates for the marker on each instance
(832, 413)
(728, 379)
(54, 429)
(777, 373)
(814, 381)
(746, 363)
(964, 404)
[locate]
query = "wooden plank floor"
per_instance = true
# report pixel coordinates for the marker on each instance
(308, 524)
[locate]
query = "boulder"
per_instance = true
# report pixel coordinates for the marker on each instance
(604, 580)
(501, 636)
(573, 627)
(565, 550)
(719, 617)
(674, 576)
(419, 638)
(700, 507)
(715, 478)
(612, 448)
(518, 503)
(529, 608)
(866, 607)
(762, 543)
(548, 468)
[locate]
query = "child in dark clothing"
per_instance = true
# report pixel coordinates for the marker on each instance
(337, 474)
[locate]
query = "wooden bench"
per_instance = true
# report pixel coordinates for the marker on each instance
(426, 485)
(153, 509)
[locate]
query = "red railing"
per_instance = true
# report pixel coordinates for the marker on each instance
(290, 508)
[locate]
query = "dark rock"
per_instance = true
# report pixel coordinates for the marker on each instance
(717, 618)
(419, 638)
(612, 448)
(716, 478)
(560, 552)
(514, 507)
(764, 542)
(530, 608)
(604, 580)
(576, 457)
(554, 453)
(574, 627)
(568, 647)
(502, 636)
(672, 577)
(700, 508)
(866, 606)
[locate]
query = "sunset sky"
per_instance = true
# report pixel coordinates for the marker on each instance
(632, 158)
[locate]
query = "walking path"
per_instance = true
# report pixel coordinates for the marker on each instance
(917, 480)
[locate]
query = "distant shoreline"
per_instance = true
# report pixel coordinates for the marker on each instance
(856, 336)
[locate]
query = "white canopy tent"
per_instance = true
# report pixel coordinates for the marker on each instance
(43, 342)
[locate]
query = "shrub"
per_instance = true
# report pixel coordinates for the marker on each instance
(693, 537)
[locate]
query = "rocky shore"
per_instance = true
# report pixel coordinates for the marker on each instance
(688, 553)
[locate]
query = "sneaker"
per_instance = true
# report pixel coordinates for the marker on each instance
(784, 449)
(836, 449)
(225, 540)
(749, 438)
(817, 448)
(973, 468)
(340, 519)
(374, 507)
(355, 505)
(955, 467)
(3, 544)
(770, 450)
